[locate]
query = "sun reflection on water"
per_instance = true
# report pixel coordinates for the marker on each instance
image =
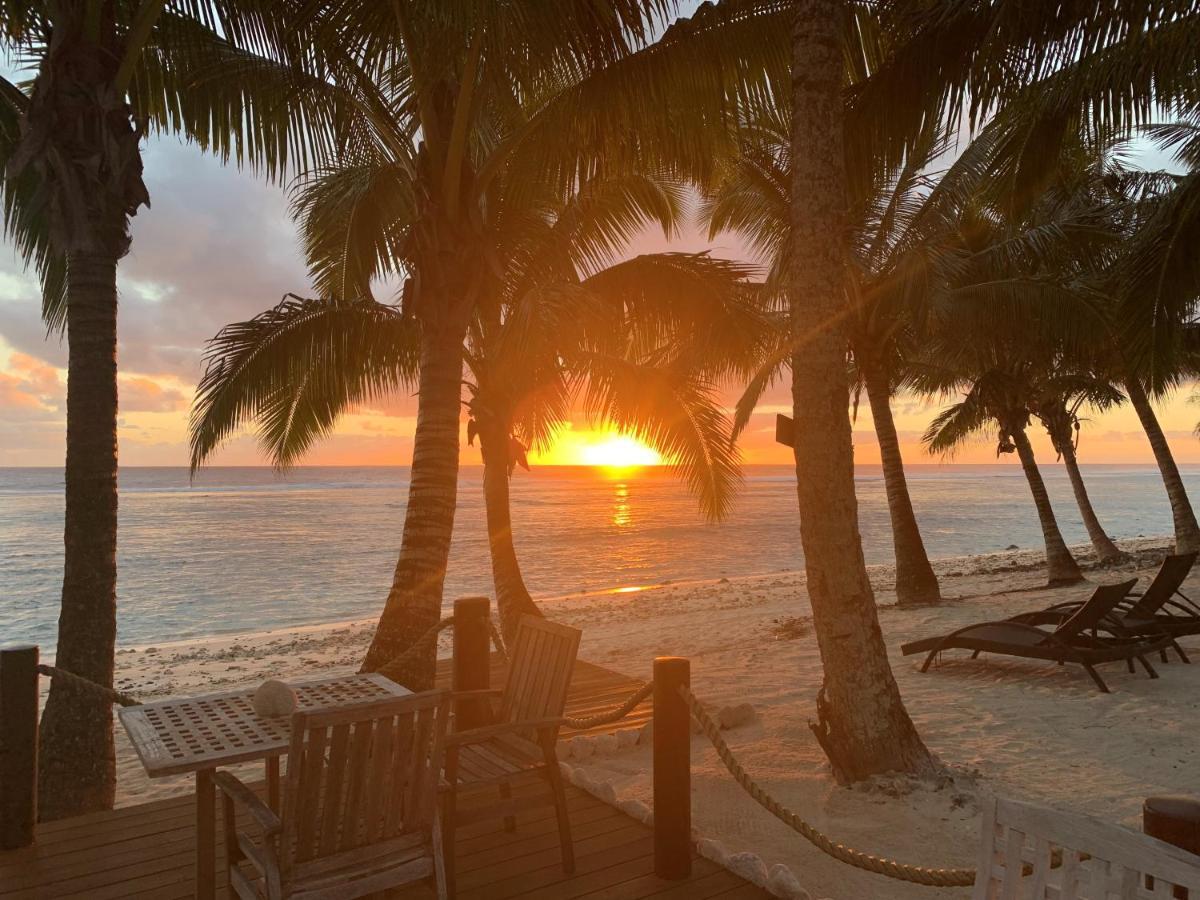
(622, 511)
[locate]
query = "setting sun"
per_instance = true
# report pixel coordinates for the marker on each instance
(620, 451)
(607, 449)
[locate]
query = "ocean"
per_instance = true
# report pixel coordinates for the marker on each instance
(245, 549)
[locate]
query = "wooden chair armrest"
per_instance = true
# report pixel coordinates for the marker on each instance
(487, 732)
(480, 694)
(237, 791)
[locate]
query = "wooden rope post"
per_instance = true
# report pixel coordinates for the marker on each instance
(672, 769)
(1175, 820)
(18, 745)
(472, 658)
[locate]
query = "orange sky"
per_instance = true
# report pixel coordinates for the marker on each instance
(218, 246)
(153, 428)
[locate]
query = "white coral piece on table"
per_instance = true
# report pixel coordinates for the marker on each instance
(274, 698)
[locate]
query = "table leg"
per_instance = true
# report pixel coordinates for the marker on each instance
(273, 782)
(206, 836)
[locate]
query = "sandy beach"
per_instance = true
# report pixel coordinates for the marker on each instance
(1019, 729)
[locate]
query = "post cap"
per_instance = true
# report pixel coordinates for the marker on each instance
(1179, 808)
(472, 604)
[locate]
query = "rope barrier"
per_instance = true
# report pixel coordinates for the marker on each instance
(879, 865)
(613, 715)
(87, 685)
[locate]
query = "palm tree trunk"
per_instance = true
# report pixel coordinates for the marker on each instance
(1105, 548)
(78, 761)
(1187, 532)
(1060, 564)
(415, 600)
(512, 597)
(915, 581)
(862, 725)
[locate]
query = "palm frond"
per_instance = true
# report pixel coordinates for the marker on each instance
(294, 369)
(24, 200)
(678, 416)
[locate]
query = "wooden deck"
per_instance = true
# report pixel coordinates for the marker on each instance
(148, 850)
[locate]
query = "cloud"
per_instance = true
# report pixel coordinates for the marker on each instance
(30, 386)
(141, 394)
(217, 246)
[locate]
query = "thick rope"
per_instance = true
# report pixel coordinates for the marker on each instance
(614, 715)
(88, 686)
(879, 865)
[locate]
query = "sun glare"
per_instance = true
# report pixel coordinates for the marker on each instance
(620, 451)
(604, 449)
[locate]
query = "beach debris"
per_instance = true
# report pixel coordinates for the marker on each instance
(274, 698)
(637, 810)
(601, 790)
(749, 866)
(607, 743)
(581, 746)
(738, 714)
(628, 737)
(782, 882)
(788, 628)
(713, 849)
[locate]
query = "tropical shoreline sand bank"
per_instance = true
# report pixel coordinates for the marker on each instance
(1021, 729)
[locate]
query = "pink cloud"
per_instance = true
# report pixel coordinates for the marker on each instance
(14, 393)
(30, 384)
(140, 394)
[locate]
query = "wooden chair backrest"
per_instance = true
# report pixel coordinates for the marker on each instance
(541, 661)
(1101, 604)
(1031, 853)
(360, 774)
(1167, 580)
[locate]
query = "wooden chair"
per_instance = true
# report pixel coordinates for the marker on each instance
(1030, 853)
(521, 739)
(359, 811)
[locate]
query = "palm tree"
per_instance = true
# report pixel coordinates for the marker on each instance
(450, 105)
(893, 220)
(1047, 72)
(70, 143)
(862, 724)
(936, 63)
(997, 393)
(293, 369)
(1057, 406)
(1156, 283)
(637, 339)
(1021, 314)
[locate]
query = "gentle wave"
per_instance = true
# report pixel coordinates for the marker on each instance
(245, 549)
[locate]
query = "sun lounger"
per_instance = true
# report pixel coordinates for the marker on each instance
(1162, 610)
(1073, 641)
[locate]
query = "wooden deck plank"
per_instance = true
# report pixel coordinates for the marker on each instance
(148, 850)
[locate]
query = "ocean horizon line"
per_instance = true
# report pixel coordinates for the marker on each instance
(1014, 464)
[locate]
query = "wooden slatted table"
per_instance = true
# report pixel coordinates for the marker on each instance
(198, 734)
